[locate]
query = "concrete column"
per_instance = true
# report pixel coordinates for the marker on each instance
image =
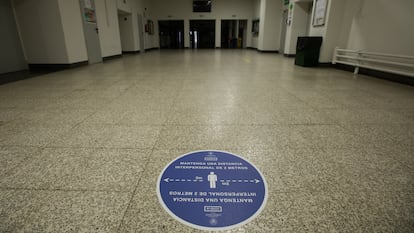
(236, 30)
(187, 33)
(299, 23)
(271, 12)
(218, 33)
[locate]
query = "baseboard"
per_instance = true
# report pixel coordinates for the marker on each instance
(378, 74)
(230, 48)
(263, 51)
(268, 51)
(22, 75)
(56, 67)
(149, 49)
(37, 70)
(289, 55)
(14, 76)
(325, 64)
(131, 52)
(107, 58)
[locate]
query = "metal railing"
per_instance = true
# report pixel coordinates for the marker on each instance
(396, 64)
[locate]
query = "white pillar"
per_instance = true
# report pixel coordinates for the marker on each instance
(218, 33)
(187, 33)
(271, 12)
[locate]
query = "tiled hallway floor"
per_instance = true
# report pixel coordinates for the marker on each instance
(81, 149)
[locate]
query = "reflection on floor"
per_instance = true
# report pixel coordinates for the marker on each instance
(81, 149)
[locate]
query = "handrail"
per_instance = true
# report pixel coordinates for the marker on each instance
(376, 54)
(375, 61)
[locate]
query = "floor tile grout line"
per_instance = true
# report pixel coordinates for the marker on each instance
(84, 120)
(354, 134)
(142, 173)
(65, 190)
(153, 149)
(315, 109)
(41, 148)
(135, 189)
(164, 148)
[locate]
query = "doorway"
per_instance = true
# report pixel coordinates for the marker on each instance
(90, 28)
(233, 33)
(171, 34)
(202, 34)
(126, 32)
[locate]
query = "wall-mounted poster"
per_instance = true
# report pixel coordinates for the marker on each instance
(320, 12)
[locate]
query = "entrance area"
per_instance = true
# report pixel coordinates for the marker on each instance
(171, 34)
(233, 33)
(202, 34)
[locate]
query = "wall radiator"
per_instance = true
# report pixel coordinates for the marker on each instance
(390, 63)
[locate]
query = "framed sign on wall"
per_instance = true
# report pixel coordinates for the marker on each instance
(255, 27)
(319, 13)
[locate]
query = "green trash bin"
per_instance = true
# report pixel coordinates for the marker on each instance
(307, 50)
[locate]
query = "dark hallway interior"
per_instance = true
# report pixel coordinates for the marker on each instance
(202, 34)
(171, 34)
(233, 33)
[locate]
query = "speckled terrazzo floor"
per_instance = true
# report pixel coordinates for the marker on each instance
(81, 149)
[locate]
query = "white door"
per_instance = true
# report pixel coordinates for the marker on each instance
(90, 27)
(141, 34)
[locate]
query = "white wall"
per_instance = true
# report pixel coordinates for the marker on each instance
(109, 35)
(382, 26)
(298, 27)
(271, 12)
(126, 32)
(71, 19)
(11, 55)
(334, 25)
(146, 10)
(371, 25)
(132, 9)
(41, 31)
(134, 18)
(337, 22)
(125, 6)
(182, 10)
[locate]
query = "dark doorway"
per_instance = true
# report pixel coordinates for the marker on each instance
(202, 33)
(233, 33)
(171, 34)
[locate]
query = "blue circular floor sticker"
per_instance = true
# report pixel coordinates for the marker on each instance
(212, 190)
